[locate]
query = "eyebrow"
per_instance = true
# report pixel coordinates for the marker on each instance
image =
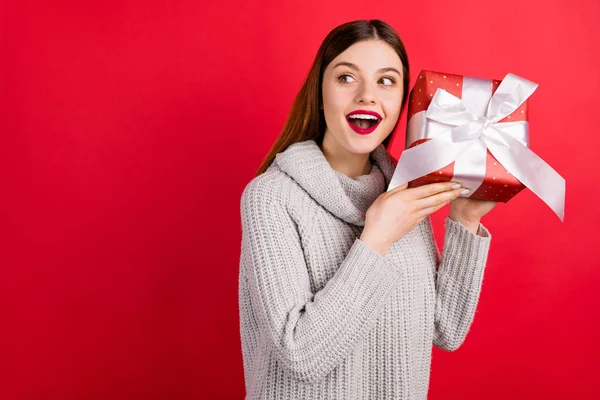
(354, 67)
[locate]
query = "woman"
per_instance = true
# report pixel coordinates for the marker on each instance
(339, 293)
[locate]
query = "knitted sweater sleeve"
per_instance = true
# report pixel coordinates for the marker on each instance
(458, 283)
(309, 332)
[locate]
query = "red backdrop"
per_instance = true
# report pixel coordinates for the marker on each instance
(129, 130)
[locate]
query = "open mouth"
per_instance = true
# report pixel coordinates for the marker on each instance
(362, 122)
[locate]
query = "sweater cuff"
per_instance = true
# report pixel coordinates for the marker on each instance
(459, 228)
(461, 242)
(363, 280)
(368, 256)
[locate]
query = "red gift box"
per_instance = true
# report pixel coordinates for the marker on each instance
(475, 132)
(498, 184)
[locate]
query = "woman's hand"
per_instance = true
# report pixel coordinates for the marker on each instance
(397, 212)
(469, 211)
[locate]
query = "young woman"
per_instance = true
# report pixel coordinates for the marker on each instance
(342, 290)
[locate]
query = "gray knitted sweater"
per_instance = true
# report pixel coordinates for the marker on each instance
(324, 316)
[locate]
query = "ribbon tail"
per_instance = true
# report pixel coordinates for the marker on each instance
(424, 159)
(469, 169)
(533, 172)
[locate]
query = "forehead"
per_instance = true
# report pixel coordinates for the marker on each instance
(369, 55)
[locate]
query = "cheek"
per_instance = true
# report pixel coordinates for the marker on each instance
(392, 109)
(335, 103)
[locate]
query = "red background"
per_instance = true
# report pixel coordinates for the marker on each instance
(129, 130)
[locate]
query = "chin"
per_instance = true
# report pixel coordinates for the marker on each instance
(363, 145)
(354, 142)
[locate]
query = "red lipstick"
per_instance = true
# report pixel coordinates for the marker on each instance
(366, 114)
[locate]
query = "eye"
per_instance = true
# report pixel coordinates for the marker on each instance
(342, 78)
(392, 81)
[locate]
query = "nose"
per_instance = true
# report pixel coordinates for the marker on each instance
(365, 95)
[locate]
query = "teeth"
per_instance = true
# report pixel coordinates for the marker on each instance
(364, 116)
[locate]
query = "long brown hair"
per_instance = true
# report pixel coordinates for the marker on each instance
(306, 119)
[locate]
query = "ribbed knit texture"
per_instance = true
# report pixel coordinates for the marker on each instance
(324, 316)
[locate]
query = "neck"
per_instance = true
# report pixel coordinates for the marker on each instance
(350, 164)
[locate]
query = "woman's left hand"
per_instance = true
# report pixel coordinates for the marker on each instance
(469, 211)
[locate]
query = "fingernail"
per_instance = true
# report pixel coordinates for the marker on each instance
(464, 191)
(455, 186)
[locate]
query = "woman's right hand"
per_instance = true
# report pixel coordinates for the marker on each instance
(396, 212)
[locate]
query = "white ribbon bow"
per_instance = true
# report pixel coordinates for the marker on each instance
(464, 138)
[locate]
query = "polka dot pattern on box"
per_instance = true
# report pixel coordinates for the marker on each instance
(428, 82)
